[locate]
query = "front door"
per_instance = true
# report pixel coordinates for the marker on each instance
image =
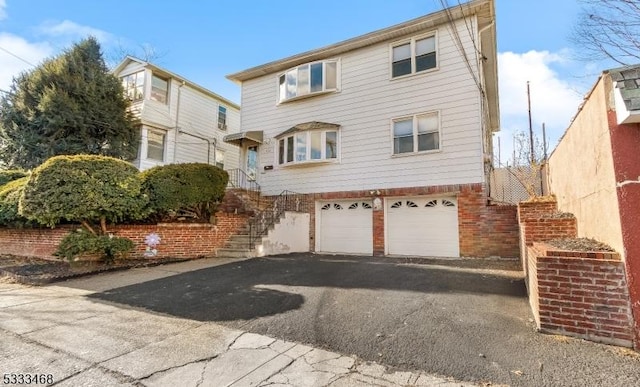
(252, 162)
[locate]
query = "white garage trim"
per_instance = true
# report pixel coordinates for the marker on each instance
(422, 226)
(344, 226)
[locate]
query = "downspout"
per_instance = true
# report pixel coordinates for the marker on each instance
(175, 142)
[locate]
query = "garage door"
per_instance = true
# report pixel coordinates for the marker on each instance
(345, 226)
(423, 227)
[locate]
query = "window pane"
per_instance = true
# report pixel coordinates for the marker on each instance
(403, 136)
(219, 159)
(428, 141)
(425, 46)
(301, 147)
(331, 145)
(281, 151)
(428, 123)
(289, 149)
(425, 62)
(292, 80)
(282, 88)
(403, 128)
(316, 145)
(159, 88)
(155, 146)
(303, 80)
(331, 75)
(402, 52)
(316, 77)
(139, 78)
(402, 67)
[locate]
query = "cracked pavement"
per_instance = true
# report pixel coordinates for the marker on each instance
(82, 341)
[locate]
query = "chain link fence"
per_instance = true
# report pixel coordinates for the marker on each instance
(509, 184)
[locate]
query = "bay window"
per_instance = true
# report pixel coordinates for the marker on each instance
(308, 146)
(308, 79)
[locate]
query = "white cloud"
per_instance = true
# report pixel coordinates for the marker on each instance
(10, 65)
(70, 29)
(554, 98)
(3, 12)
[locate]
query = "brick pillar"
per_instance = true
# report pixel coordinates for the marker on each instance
(378, 230)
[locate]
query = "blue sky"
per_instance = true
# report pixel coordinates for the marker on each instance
(204, 41)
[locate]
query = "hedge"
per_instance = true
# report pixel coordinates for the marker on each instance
(8, 175)
(9, 199)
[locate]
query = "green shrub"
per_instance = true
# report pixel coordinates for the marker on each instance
(10, 175)
(184, 189)
(82, 242)
(9, 198)
(83, 188)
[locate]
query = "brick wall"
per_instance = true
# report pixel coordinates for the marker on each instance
(485, 230)
(582, 294)
(177, 239)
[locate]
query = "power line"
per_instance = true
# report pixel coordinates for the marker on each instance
(18, 57)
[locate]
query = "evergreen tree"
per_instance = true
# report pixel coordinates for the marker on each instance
(70, 104)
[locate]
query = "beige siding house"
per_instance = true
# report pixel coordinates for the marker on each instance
(181, 121)
(388, 133)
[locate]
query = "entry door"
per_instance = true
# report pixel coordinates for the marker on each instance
(252, 162)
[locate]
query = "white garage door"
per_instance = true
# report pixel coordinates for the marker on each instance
(423, 226)
(345, 226)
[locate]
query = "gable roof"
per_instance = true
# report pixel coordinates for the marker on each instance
(628, 82)
(156, 69)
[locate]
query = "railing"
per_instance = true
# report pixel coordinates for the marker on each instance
(240, 180)
(260, 224)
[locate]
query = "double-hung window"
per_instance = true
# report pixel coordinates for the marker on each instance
(418, 133)
(308, 79)
(159, 89)
(413, 56)
(155, 145)
(222, 117)
(308, 146)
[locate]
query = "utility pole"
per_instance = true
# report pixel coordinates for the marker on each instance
(544, 141)
(533, 159)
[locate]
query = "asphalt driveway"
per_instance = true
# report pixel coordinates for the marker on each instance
(465, 319)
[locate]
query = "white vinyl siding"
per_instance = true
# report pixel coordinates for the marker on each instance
(367, 102)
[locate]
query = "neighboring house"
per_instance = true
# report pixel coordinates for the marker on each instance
(181, 121)
(388, 133)
(595, 170)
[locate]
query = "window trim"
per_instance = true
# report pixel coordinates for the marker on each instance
(308, 160)
(415, 134)
(164, 134)
(412, 41)
(310, 94)
(150, 89)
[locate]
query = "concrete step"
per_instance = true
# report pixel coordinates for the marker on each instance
(235, 253)
(238, 244)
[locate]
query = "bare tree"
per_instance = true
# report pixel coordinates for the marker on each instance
(527, 168)
(609, 29)
(145, 52)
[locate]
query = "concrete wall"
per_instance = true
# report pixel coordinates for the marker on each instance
(290, 235)
(581, 171)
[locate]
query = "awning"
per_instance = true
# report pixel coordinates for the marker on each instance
(309, 126)
(237, 138)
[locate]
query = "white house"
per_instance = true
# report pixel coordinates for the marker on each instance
(389, 134)
(181, 121)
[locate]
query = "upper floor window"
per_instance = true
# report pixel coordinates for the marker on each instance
(133, 85)
(159, 89)
(416, 133)
(222, 117)
(413, 56)
(308, 79)
(308, 146)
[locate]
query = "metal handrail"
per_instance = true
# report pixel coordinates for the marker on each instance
(260, 223)
(239, 179)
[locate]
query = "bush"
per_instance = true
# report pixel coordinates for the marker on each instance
(81, 242)
(83, 188)
(10, 175)
(9, 198)
(192, 189)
